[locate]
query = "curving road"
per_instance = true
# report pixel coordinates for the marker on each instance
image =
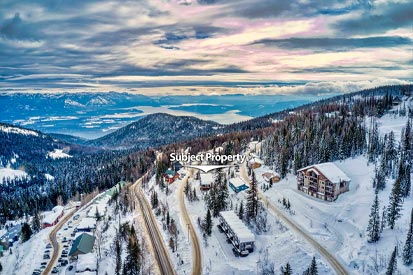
(161, 253)
(334, 263)
(196, 248)
(55, 243)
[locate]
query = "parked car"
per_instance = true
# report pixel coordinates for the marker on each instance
(70, 267)
(46, 256)
(76, 217)
(64, 263)
(49, 245)
(55, 270)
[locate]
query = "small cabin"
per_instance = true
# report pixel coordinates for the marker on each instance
(170, 176)
(205, 181)
(271, 177)
(53, 216)
(238, 184)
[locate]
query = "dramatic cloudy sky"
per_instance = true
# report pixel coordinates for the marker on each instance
(159, 45)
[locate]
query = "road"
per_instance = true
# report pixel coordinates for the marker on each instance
(55, 243)
(196, 248)
(161, 253)
(334, 263)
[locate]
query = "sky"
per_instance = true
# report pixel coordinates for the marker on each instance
(204, 46)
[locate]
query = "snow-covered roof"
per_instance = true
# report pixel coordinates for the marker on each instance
(237, 182)
(86, 262)
(53, 215)
(87, 223)
(206, 178)
(269, 175)
(330, 171)
(237, 226)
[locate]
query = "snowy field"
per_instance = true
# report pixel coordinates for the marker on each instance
(8, 173)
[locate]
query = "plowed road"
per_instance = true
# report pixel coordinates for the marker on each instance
(161, 253)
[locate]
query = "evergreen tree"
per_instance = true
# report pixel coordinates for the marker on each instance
(287, 270)
(36, 222)
(118, 250)
(379, 181)
(383, 219)
(373, 227)
(252, 200)
(313, 270)
(395, 204)
(208, 223)
(408, 245)
(241, 211)
(26, 232)
(392, 268)
(132, 263)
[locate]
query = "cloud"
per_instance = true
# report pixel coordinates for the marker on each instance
(335, 44)
(157, 43)
(15, 28)
(380, 18)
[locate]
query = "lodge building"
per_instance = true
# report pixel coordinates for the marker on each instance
(324, 181)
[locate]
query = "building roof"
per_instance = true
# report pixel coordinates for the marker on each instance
(237, 226)
(330, 171)
(83, 244)
(53, 215)
(170, 173)
(87, 223)
(238, 182)
(269, 175)
(206, 179)
(86, 263)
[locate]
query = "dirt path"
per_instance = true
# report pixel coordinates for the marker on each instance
(55, 243)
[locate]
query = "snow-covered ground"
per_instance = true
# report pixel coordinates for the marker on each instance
(8, 173)
(341, 225)
(16, 130)
(57, 154)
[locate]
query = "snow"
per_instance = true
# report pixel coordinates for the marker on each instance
(237, 226)
(340, 226)
(57, 154)
(87, 223)
(51, 216)
(330, 171)
(8, 173)
(16, 130)
(100, 208)
(71, 102)
(86, 262)
(48, 176)
(281, 244)
(237, 182)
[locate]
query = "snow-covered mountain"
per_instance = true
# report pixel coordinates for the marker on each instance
(157, 129)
